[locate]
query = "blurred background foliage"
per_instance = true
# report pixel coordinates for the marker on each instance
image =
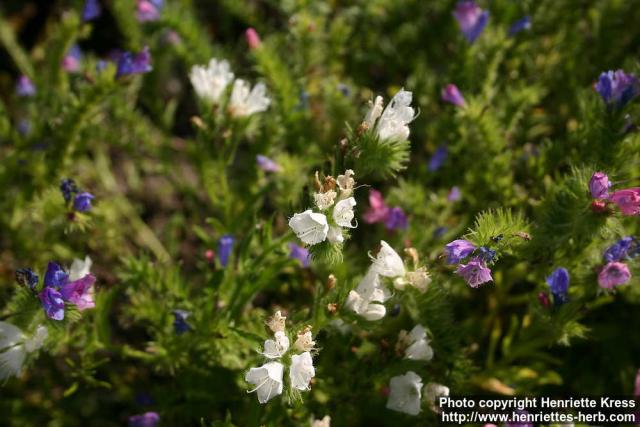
(167, 188)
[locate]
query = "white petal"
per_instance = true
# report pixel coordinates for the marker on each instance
(10, 335)
(374, 312)
(432, 391)
(35, 342)
(274, 349)
(419, 350)
(405, 393)
(417, 333)
(80, 268)
(301, 371)
(310, 227)
(267, 379)
(11, 362)
(343, 212)
(375, 110)
(388, 263)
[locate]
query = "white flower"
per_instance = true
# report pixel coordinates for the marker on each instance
(324, 200)
(15, 346)
(369, 310)
(375, 110)
(325, 422)
(310, 227)
(305, 341)
(79, 268)
(419, 279)
(388, 263)
(393, 123)
(335, 234)
(277, 322)
(210, 82)
(419, 348)
(301, 371)
(245, 102)
(274, 349)
(371, 288)
(346, 183)
(366, 300)
(405, 393)
(432, 391)
(267, 379)
(343, 212)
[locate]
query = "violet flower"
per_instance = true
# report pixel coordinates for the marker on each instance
(79, 292)
(148, 419)
(558, 283)
(267, 164)
(471, 19)
(82, 202)
(438, 158)
(52, 303)
(475, 273)
(452, 95)
(225, 246)
(613, 274)
(617, 88)
(25, 87)
(628, 200)
(599, 185)
(133, 63)
(458, 250)
(300, 253)
(71, 61)
(619, 250)
(521, 24)
(27, 277)
(180, 325)
(91, 10)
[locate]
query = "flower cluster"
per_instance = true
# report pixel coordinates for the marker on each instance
(393, 218)
(15, 346)
(268, 378)
(210, 83)
(81, 199)
(615, 272)
(333, 198)
(60, 286)
(371, 293)
(475, 272)
(392, 122)
(627, 199)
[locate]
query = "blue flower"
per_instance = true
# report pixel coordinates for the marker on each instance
(438, 158)
(471, 19)
(558, 283)
(67, 188)
(133, 63)
(52, 303)
(486, 254)
(617, 88)
(26, 277)
(225, 246)
(91, 10)
(267, 164)
(299, 253)
(521, 24)
(180, 325)
(619, 250)
(458, 250)
(25, 86)
(82, 202)
(396, 219)
(440, 231)
(55, 276)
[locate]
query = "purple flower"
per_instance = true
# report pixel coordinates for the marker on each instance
(225, 246)
(438, 158)
(26, 277)
(133, 63)
(396, 219)
(454, 194)
(71, 61)
(521, 24)
(486, 254)
(180, 325)
(617, 88)
(599, 185)
(148, 419)
(458, 250)
(67, 188)
(24, 126)
(619, 250)
(55, 276)
(471, 19)
(149, 10)
(266, 164)
(378, 210)
(440, 231)
(25, 86)
(52, 303)
(82, 202)
(558, 283)
(452, 95)
(91, 10)
(299, 253)
(79, 292)
(628, 200)
(613, 274)
(475, 273)
(344, 89)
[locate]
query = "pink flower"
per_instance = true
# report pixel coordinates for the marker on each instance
(613, 274)
(628, 200)
(452, 95)
(599, 185)
(475, 273)
(79, 292)
(378, 210)
(253, 39)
